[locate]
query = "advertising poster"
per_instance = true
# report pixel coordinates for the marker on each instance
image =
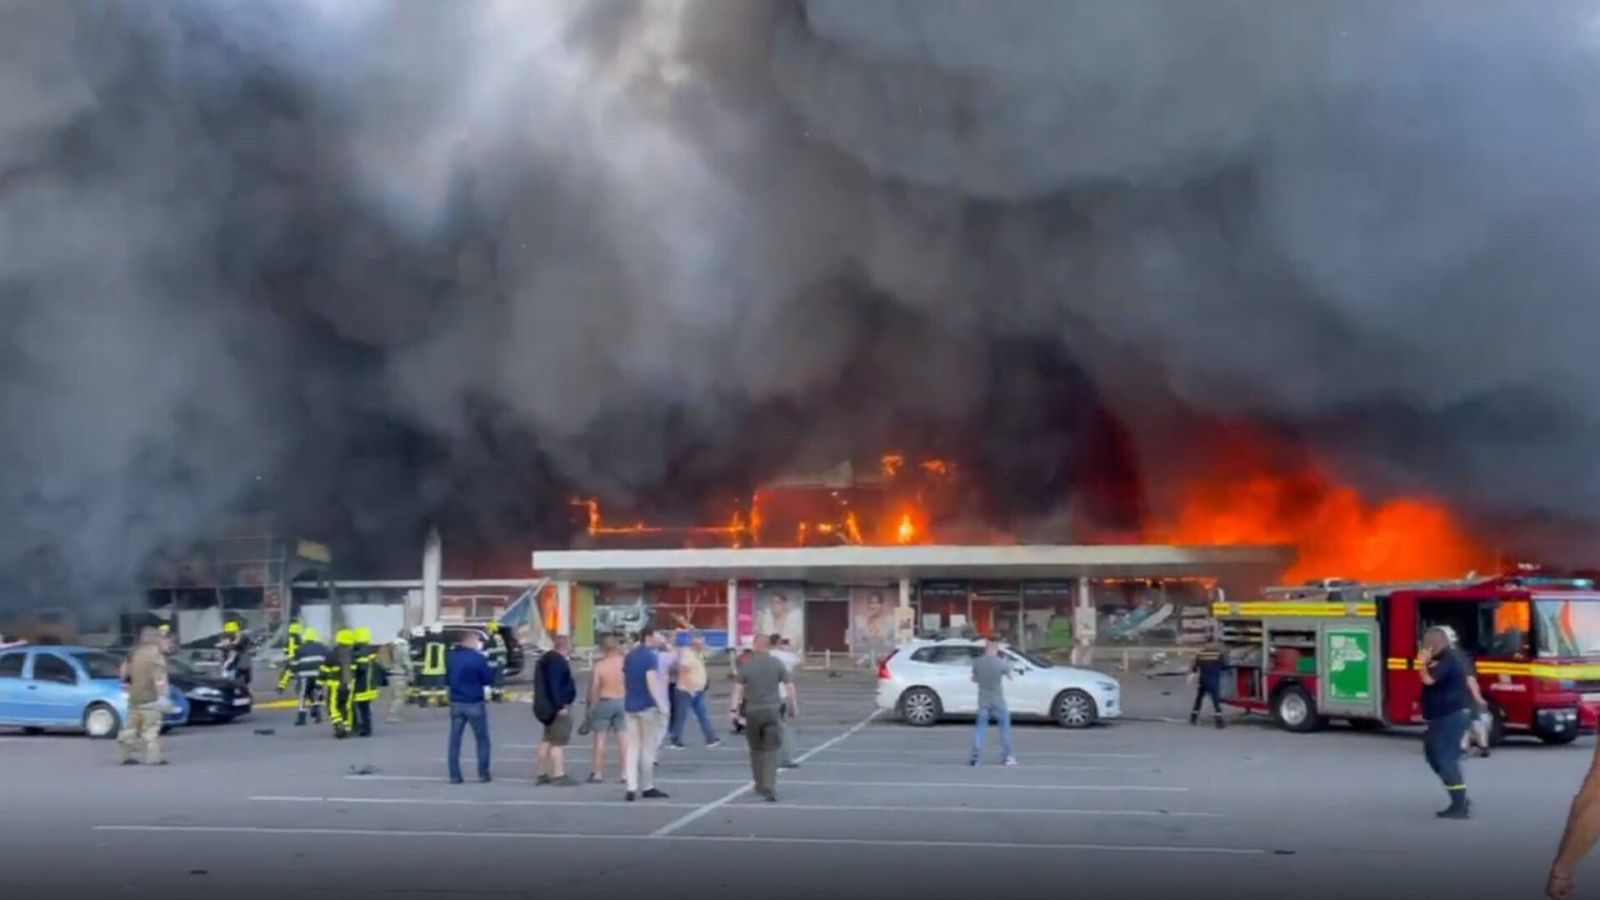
(873, 623)
(780, 610)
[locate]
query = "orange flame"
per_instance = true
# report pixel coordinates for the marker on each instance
(1337, 532)
(906, 533)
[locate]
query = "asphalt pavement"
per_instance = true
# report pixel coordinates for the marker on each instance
(1140, 808)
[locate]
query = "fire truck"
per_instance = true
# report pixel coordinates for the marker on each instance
(1343, 650)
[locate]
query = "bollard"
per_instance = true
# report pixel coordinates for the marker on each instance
(827, 659)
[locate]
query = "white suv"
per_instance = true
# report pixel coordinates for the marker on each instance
(925, 681)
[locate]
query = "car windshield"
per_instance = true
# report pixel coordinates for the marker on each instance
(180, 667)
(1568, 627)
(1033, 658)
(100, 665)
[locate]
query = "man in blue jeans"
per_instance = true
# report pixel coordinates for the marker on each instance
(989, 673)
(469, 675)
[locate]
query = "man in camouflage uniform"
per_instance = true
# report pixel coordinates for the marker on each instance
(145, 675)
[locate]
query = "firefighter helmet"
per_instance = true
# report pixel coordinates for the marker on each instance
(344, 637)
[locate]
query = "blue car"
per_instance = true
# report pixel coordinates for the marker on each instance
(76, 688)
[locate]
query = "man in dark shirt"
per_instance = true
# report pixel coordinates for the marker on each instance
(1446, 703)
(1208, 666)
(644, 704)
(469, 675)
(554, 692)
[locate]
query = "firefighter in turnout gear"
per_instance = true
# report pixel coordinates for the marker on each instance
(235, 647)
(310, 656)
(364, 684)
(337, 678)
(432, 688)
(497, 653)
(1209, 664)
(291, 647)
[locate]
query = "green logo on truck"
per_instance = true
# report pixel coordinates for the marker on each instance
(1349, 664)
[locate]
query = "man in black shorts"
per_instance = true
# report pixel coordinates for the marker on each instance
(554, 692)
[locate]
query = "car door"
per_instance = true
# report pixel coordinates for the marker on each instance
(953, 668)
(53, 692)
(1028, 690)
(11, 665)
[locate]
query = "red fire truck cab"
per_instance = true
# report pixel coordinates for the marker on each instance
(1342, 650)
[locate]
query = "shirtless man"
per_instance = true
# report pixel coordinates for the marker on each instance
(604, 702)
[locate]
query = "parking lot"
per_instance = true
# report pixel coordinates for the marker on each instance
(1140, 807)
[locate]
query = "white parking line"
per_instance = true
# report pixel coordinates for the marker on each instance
(981, 785)
(677, 823)
(688, 838)
(774, 807)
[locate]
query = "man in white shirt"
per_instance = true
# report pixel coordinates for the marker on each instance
(783, 651)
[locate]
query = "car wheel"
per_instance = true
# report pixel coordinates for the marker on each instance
(1557, 738)
(920, 707)
(1075, 709)
(100, 721)
(1294, 710)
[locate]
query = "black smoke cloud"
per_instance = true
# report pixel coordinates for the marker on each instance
(371, 263)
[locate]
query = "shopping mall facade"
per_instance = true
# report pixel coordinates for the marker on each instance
(859, 600)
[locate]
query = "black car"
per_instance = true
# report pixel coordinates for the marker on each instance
(211, 698)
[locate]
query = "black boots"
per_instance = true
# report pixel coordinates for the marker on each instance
(1458, 808)
(1194, 719)
(1217, 720)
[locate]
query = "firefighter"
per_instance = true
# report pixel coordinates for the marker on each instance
(235, 647)
(364, 682)
(497, 654)
(310, 656)
(1208, 666)
(433, 688)
(290, 648)
(337, 677)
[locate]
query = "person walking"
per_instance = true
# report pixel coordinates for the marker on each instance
(782, 649)
(667, 665)
(765, 691)
(989, 673)
(645, 703)
(1445, 707)
(1209, 664)
(145, 678)
(605, 714)
(398, 667)
(291, 649)
(691, 688)
(553, 695)
(363, 682)
(309, 658)
(470, 678)
(337, 680)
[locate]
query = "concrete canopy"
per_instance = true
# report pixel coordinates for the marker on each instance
(860, 564)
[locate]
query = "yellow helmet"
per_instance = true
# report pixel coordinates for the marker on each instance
(165, 628)
(310, 634)
(344, 637)
(363, 635)
(294, 627)
(231, 627)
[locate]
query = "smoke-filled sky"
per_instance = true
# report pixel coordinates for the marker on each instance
(379, 261)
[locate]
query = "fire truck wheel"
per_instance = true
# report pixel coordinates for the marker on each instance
(1558, 738)
(920, 707)
(1294, 710)
(1497, 725)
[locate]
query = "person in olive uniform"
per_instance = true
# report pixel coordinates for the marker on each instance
(766, 693)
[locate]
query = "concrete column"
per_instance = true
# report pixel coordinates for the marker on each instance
(432, 567)
(904, 614)
(733, 613)
(564, 607)
(1083, 624)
